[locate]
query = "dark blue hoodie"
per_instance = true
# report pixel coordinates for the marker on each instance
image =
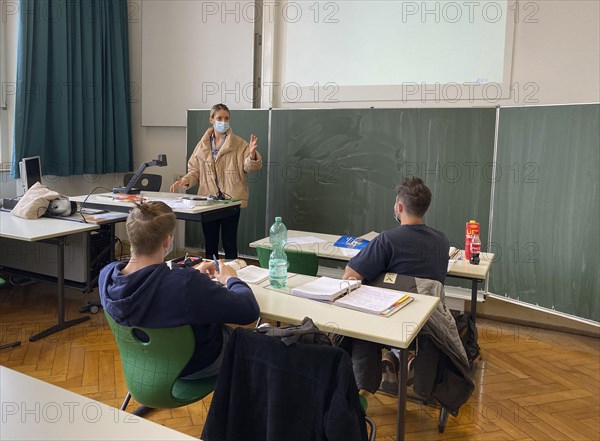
(157, 297)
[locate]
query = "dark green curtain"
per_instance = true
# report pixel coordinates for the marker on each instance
(73, 102)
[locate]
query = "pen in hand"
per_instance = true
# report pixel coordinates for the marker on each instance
(216, 262)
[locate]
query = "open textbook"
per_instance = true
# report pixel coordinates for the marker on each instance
(350, 294)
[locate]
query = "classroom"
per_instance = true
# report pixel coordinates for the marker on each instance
(494, 104)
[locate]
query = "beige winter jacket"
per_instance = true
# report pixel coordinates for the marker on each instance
(230, 167)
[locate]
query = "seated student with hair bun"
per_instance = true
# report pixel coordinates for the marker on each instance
(145, 292)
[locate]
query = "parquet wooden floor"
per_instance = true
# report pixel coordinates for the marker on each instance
(531, 384)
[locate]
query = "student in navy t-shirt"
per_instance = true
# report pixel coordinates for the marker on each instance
(413, 249)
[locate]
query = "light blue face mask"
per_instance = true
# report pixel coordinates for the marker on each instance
(221, 126)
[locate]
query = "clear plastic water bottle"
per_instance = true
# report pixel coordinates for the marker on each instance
(278, 263)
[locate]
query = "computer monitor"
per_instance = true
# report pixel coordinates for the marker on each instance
(31, 171)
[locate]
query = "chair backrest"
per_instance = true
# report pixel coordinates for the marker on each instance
(311, 392)
(300, 262)
(152, 367)
(147, 182)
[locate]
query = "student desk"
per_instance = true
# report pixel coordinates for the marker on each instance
(398, 330)
(35, 410)
(326, 250)
(53, 231)
(201, 211)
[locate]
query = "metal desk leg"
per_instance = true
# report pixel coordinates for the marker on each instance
(402, 384)
(60, 280)
(10, 345)
(474, 283)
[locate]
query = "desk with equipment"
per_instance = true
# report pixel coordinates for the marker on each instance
(323, 246)
(52, 231)
(397, 330)
(184, 206)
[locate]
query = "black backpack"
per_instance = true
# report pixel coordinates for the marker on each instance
(467, 332)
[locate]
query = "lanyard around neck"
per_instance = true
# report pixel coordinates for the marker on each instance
(213, 145)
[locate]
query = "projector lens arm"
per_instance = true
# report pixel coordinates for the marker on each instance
(161, 161)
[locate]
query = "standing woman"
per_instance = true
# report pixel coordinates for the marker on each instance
(219, 165)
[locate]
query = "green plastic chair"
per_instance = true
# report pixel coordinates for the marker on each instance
(300, 262)
(152, 368)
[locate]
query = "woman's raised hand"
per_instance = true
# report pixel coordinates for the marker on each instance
(252, 146)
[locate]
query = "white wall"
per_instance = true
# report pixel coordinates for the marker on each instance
(561, 53)
(196, 37)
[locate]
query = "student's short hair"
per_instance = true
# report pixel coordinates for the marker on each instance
(415, 196)
(214, 109)
(147, 226)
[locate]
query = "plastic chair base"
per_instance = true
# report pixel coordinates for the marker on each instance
(142, 410)
(443, 419)
(139, 411)
(373, 433)
(92, 307)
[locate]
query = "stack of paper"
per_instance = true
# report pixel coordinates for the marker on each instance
(453, 252)
(253, 274)
(375, 300)
(325, 289)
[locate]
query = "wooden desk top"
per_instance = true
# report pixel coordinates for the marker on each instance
(462, 267)
(39, 229)
(195, 207)
(35, 410)
(325, 249)
(398, 330)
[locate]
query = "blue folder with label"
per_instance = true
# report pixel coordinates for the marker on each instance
(351, 242)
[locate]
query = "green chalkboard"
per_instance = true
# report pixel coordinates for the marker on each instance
(252, 219)
(546, 208)
(334, 171)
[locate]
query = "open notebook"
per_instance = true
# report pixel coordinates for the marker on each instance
(350, 294)
(253, 274)
(325, 289)
(375, 300)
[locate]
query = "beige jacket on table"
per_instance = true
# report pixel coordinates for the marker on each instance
(230, 167)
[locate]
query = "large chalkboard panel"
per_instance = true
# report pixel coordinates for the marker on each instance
(252, 219)
(334, 171)
(546, 208)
